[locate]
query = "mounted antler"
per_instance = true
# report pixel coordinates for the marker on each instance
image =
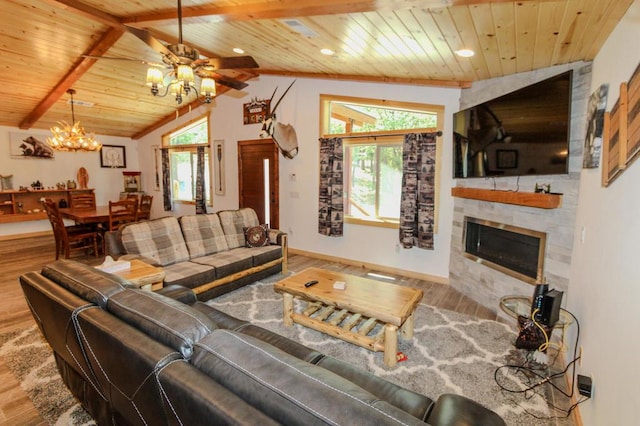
(284, 135)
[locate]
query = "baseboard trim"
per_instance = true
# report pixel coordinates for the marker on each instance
(26, 235)
(351, 262)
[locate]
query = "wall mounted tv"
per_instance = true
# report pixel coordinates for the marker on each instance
(525, 132)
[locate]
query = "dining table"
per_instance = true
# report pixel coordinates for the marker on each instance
(98, 214)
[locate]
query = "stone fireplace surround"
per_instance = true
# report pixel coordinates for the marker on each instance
(485, 285)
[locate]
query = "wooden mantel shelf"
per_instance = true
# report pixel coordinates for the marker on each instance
(528, 199)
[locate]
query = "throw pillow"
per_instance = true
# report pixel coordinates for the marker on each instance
(256, 236)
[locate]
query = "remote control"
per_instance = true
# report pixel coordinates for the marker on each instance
(310, 283)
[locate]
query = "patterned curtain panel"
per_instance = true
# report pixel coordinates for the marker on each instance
(418, 190)
(200, 204)
(166, 181)
(331, 200)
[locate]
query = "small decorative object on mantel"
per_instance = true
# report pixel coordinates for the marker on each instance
(7, 182)
(71, 184)
(83, 178)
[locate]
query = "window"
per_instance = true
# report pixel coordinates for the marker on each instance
(183, 157)
(373, 133)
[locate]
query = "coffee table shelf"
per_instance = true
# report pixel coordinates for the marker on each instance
(367, 313)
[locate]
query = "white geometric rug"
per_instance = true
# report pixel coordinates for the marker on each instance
(450, 353)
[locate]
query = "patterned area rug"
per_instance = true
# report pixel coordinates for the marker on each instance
(450, 353)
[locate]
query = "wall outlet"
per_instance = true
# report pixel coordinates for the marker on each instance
(585, 385)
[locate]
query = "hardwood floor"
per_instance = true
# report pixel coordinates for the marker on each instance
(31, 254)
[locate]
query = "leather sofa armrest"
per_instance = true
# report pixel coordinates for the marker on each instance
(452, 410)
(179, 293)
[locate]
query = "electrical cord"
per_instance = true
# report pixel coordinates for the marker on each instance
(541, 379)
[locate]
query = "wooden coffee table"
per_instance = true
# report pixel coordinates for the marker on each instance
(143, 275)
(367, 313)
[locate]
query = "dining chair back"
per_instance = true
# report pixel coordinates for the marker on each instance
(69, 238)
(144, 212)
(121, 212)
(83, 200)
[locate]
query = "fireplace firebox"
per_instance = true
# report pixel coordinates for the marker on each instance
(515, 251)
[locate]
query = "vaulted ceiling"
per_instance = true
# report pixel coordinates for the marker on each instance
(44, 46)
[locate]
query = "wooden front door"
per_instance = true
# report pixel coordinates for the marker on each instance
(258, 179)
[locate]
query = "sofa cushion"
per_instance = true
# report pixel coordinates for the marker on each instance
(228, 262)
(262, 255)
(256, 236)
(84, 281)
(233, 223)
(158, 239)
(171, 322)
(287, 389)
(188, 274)
(203, 234)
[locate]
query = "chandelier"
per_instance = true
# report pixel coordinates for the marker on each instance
(184, 82)
(72, 138)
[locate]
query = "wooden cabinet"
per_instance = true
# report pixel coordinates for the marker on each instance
(23, 206)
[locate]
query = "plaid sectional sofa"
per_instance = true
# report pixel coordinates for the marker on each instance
(207, 253)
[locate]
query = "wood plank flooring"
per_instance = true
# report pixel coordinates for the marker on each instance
(31, 254)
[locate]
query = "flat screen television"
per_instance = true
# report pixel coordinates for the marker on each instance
(525, 132)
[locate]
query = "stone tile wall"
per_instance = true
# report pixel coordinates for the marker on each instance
(486, 285)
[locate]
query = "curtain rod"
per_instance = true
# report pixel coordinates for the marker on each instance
(438, 133)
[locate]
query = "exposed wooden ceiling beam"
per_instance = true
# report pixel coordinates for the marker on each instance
(87, 11)
(107, 40)
(294, 8)
(374, 79)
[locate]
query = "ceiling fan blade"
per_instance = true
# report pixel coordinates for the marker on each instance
(229, 63)
(115, 58)
(227, 81)
(153, 43)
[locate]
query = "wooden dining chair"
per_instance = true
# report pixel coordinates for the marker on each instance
(82, 200)
(144, 211)
(121, 212)
(70, 238)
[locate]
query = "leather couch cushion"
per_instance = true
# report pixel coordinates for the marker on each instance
(228, 262)
(89, 283)
(233, 223)
(455, 410)
(158, 239)
(171, 322)
(203, 234)
(287, 389)
(188, 274)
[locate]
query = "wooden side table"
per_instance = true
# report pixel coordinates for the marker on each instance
(143, 275)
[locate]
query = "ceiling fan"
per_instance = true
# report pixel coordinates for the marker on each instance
(184, 62)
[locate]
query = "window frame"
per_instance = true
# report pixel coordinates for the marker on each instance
(382, 138)
(192, 148)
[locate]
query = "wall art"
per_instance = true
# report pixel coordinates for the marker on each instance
(595, 127)
(256, 110)
(218, 155)
(28, 145)
(113, 156)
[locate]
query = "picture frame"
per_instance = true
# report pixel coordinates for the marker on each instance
(507, 158)
(113, 156)
(29, 145)
(218, 160)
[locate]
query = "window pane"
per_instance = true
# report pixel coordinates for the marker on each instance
(354, 118)
(362, 188)
(182, 176)
(390, 181)
(197, 133)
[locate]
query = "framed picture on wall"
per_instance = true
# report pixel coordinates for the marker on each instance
(113, 156)
(29, 145)
(507, 158)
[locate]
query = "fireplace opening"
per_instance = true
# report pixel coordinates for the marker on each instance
(518, 252)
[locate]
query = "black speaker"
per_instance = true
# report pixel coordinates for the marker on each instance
(550, 309)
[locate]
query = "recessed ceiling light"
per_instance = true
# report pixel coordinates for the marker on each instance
(238, 50)
(465, 53)
(327, 52)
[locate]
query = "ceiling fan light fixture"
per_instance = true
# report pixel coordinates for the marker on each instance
(208, 89)
(185, 73)
(72, 138)
(155, 79)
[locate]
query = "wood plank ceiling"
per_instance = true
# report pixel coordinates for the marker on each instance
(42, 43)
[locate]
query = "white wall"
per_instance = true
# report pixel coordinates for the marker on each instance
(298, 216)
(605, 277)
(63, 167)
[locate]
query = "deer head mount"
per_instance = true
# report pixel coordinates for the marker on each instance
(284, 135)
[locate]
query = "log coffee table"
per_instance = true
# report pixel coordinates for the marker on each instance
(367, 313)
